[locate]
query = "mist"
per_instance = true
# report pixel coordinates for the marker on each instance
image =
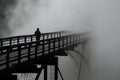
(48, 15)
(6, 8)
(100, 17)
(105, 55)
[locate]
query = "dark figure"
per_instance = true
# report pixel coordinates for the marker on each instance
(37, 34)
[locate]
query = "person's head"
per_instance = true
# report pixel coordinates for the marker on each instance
(37, 29)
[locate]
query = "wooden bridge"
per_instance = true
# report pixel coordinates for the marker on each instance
(22, 54)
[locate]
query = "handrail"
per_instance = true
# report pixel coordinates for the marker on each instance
(24, 39)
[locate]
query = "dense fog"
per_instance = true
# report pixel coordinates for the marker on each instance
(100, 17)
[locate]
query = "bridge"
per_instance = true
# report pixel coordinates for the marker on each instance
(23, 54)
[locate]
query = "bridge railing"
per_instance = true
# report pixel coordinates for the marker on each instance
(28, 38)
(16, 54)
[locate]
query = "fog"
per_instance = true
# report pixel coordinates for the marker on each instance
(106, 46)
(100, 17)
(52, 15)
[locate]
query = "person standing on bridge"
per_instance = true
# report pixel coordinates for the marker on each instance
(37, 34)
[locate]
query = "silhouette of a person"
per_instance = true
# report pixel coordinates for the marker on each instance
(37, 34)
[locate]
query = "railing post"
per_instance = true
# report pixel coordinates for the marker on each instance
(19, 54)
(29, 45)
(70, 40)
(49, 46)
(17, 40)
(63, 42)
(51, 35)
(47, 36)
(25, 39)
(67, 42)
(54, 45)
(43, 45)
(54, 35)
(10, 40)
(79, 38)
(7, 58)
(59, 42)
(1, 46)
(1, 43)
(36, 48)
(31, 38)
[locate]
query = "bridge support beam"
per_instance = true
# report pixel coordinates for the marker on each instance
(45, 72)
(56, 71)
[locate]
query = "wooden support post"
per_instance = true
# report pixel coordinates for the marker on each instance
(56, 69)
(45, 72)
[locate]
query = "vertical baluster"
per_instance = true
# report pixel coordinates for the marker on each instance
(73, 40)
(29, 46)
(47, 36)
(1, 42)
(54, 35)
(19, 54)
(59, 42)
(10, 41)
(67, 41)
(79, 37)
(63, 41)
(70, 41)
(17, 40)
(31, 38)
(25, 39)
(54, 45)
(76, 38)
(36, 48)
(57, 35)
(51, 35)
(7, 58)
(43, 46)
(1, 46)
(60, 34)
(49, 46)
